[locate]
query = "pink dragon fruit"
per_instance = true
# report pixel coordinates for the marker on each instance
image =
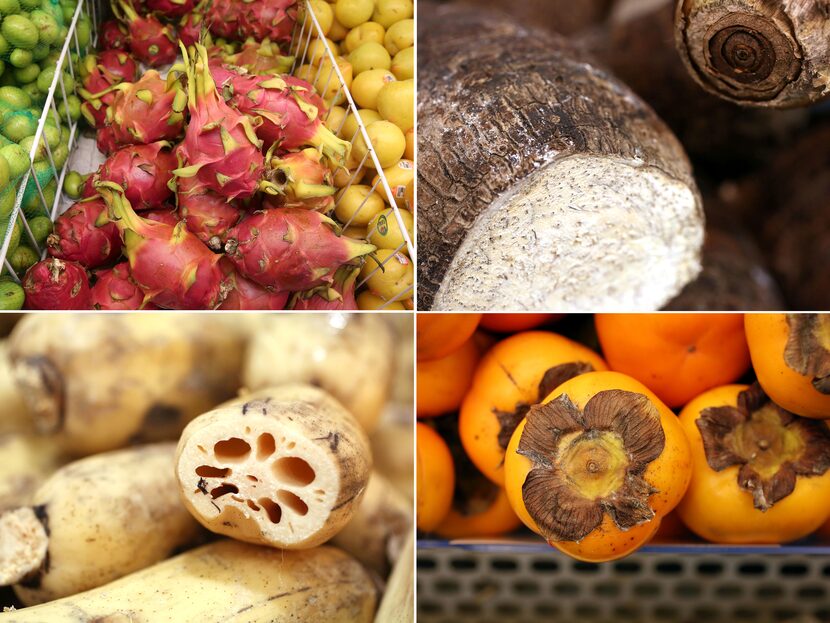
(105, 140)
(272, 19)
(98, 75)
(260, 58)
(171, 8)
(115, 289)
(222, 18)
(340, 296)
(303, 181)
(85, 234)
(206, 214)
(166, 216)
(190, 26)
(245, 294)
(147, 111)
(113, 36)
(150, 41)
(171, 265)
(290, 248)
(143, 171)
(55, 284)
(220, 147)
(289, 119)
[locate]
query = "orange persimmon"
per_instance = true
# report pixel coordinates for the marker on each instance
(597, 465)
(510, 323)
(677, 356)
(435, 477)
(759, 473)
(514, 374)
(791, 357)
(442, 383)
(440, 334)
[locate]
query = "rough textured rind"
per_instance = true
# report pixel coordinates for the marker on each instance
(225, 582)
(757, 52)
(497, 103)
(562, 16)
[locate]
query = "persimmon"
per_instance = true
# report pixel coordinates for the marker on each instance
(791, 357)
(677, 356)
(597, 465)
(442, 383)
(510, 323)
(514, 374)
(437, 335)
(435, 477)
(759, 473)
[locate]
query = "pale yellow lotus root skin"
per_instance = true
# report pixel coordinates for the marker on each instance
(285, 467)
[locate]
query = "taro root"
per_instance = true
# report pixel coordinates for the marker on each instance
(542, 180)
(791, 357)
(757, 52)
(99, 382)
(285, 467)
(93, 521)
(349, 356)
(760, 473)
(516, 373)
(595, 467)
(563, 16)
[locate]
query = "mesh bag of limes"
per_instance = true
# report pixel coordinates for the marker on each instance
(32, 36)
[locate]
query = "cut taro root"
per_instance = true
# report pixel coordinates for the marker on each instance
(285, 467)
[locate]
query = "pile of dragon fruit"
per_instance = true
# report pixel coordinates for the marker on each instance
(218, 178)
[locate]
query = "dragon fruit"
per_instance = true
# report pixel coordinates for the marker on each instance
(260, 58)
(303, 181)
(105, 140)
(340, 296)
(143, 171)
(150, 41)
(171, 8)
(289, 119)
(290, 248)
(116, 289)
(147, 111)
(223, 18)
(113, 36)
(169, 217)
(56, 284)
(220, 147)
(98, 74)
(171, 265)
(190, 26)
(85, 234)
(206, 214)
(272, 19)
(245, 294)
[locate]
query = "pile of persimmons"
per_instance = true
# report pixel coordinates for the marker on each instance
(602, 433)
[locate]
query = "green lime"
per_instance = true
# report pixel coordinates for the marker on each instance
(20, 57)
(41, 227)
(17, 158)
(27, 74)
(23, 258)
(18, 127)
(12, 295)
(5, 173)
(9, 7)
(16, 98)
(73, 184)
(47, 28)
(19, 31)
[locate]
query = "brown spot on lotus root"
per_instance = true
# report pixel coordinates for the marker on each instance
(272, 508)
(232, 450)
(292, 501)
(208, 471)
(265, 446)
(294, 471)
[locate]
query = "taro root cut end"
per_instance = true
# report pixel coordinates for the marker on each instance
(808, 348)
(755, 51)
(770, 446)
(23, 545)
(285, 468)
(590, 462)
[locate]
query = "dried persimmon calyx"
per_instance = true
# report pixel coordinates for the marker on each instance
(285, 467)
(551, 379)
(772, 446)
(808, 348)
(589, 463)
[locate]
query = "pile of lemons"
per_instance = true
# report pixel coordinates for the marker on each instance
(373, 41)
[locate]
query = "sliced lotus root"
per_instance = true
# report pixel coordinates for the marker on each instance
(284, 467)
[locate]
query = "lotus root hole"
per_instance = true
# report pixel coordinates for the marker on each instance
(291, 445)
(265, 446)
(247, 430)
(252, 505)
(294, 471)
(252, 478)
(223, 489)
(292, 501)
(272, 508)
(232, 450)
(208, 471)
